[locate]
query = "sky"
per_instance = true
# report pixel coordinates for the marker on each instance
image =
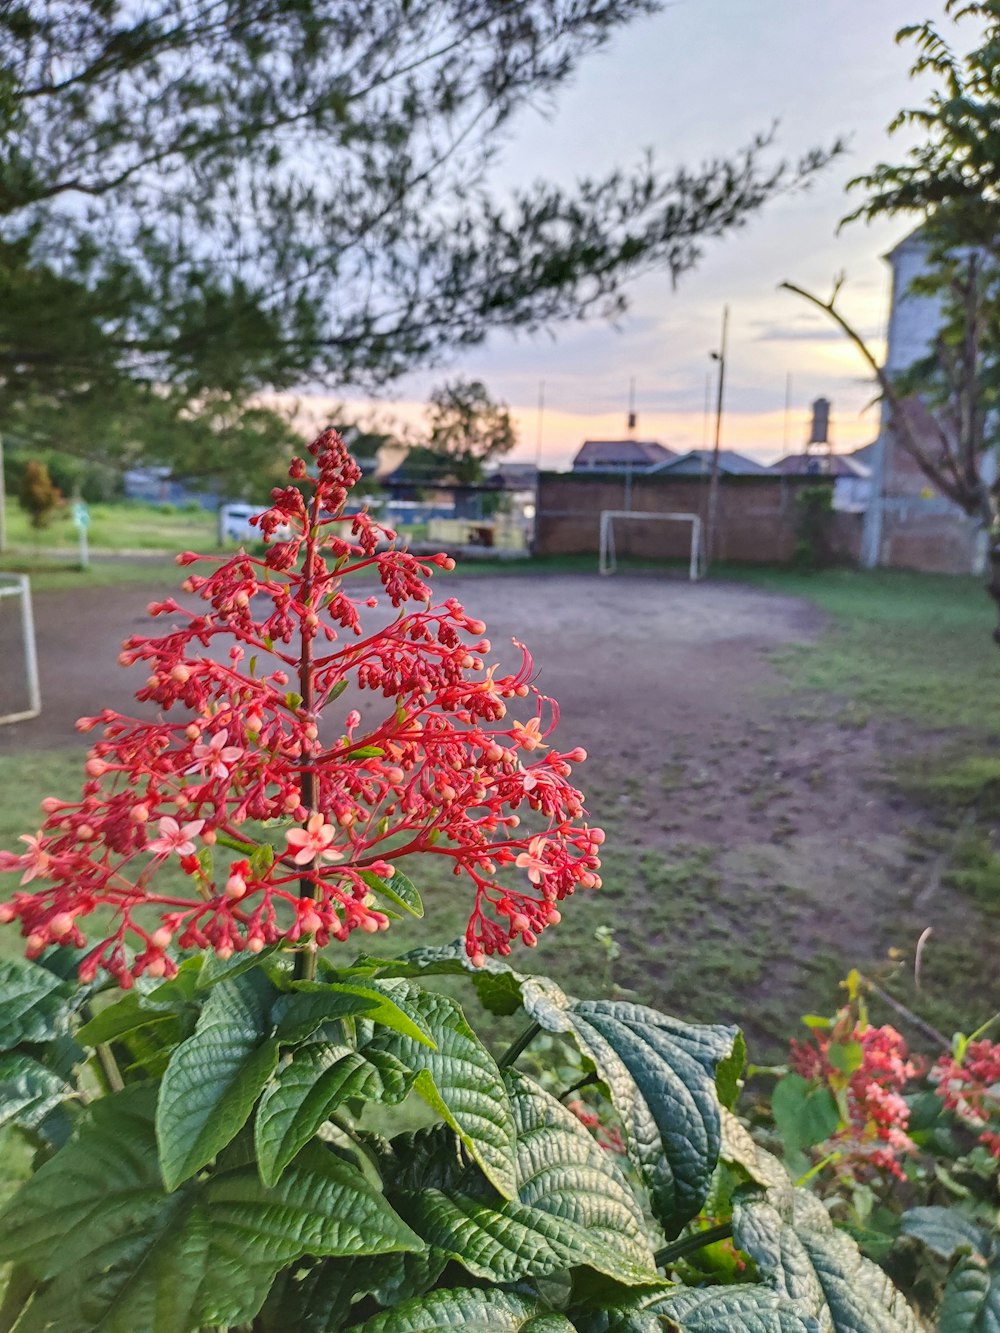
(694, 81)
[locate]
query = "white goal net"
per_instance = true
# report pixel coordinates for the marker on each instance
(608, 558)
(15, 587)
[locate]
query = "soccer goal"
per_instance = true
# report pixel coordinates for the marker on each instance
(608, 560)
(18, 585)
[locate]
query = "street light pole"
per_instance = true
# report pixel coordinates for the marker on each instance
(713, 481)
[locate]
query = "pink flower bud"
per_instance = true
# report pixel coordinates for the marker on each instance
(236, 887)
(162, 937)
(139, 814)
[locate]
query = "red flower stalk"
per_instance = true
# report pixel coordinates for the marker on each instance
(877, 1118)
(317, 798)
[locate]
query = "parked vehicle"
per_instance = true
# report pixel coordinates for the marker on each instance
(235, 525)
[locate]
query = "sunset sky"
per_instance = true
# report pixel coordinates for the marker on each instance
(695, 80)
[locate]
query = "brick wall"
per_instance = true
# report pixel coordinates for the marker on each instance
(757, 516)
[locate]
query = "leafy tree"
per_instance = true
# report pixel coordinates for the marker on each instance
(37, 495)
(943, 408)
(468, 428)
(229, 199)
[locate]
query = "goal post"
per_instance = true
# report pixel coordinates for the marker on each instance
(19, 586)
(608, 560)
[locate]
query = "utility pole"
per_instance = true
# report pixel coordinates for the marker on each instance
(538, 431)
(713, 481)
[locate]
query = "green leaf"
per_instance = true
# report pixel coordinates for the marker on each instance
(368, 752)
(803, 1113)
(129, 1014)
(740, 1149)
(215, 1077)
(971, 1300)
(749, 1309)
(736, 1309)
(29, 1091)
(943, 1230)
(802, 1256)
(846, 1056)
(217, 969)
(123, 1255)
(572, 1205)
(459, 1079)
(308, 1088)
(661, 1075)
(32, 1003)
(312, 1003)
(469, 1310)
(399, 890)
(498, 992)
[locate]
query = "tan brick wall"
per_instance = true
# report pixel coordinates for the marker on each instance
(757, 516)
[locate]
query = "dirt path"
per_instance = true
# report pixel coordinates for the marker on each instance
(753, 853)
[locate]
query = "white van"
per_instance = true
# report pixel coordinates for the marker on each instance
(235, 525)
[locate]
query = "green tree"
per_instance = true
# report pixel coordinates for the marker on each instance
(37, 494)
(468, 428)
(943, 407)
(224, 200)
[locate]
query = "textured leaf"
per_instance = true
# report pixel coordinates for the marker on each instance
(312, 1003)
(801, 1255)
(661, 1075)
(31, 1003)
(964, 1306)
(740, 1149)
(399, 890)
(572, 1206)
(215, 1077)
(29, 1091)
(126, 1016)
(943, 1230)
(469, 1310)
(749, 1309)
(499, 992)
(304, 1092)
(459, 1079)
(124, 1255)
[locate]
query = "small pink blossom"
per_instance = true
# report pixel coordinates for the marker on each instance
(215, 757)
(314, 841)
(35, 859)
(532, 860)
(174, 837)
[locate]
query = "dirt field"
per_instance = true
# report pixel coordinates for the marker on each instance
(753, 852)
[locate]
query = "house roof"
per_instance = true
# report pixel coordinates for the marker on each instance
(831, 465)
(698, 463)
(621, 453)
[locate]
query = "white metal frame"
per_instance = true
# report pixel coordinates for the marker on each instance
(19, 585)
(608, 562)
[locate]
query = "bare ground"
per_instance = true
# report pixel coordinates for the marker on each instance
(754, 851)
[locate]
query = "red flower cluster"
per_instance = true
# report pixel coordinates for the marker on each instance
(876, 1120)
(971, 1088)
(271, 761)
(608, 1137)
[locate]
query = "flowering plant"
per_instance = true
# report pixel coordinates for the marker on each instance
(224, 1104)
(441, 772)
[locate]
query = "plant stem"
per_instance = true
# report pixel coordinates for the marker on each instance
(20, 1288)
(305, 959)
(524, 1040)
(584, 1082)
(691, 1244)
(921, 1024)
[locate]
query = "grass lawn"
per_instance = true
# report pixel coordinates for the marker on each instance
(123, 525)
(918, 646)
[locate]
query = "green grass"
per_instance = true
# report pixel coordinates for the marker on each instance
(125, 525)
(915, 646)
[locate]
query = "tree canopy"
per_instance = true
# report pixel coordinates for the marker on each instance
(222, 198)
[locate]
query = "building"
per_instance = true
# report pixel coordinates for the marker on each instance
(621, 456)
(908, 524)
(698, 463)
(852, 477)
